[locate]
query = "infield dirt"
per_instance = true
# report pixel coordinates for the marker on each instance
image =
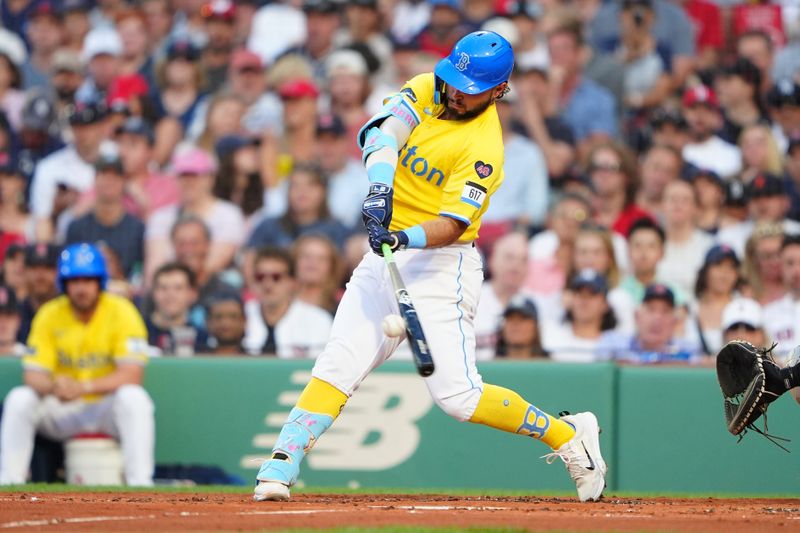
(20, 511)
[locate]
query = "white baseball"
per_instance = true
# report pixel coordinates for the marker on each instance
(393, 325)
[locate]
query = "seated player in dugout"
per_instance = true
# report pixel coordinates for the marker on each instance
(434, 155)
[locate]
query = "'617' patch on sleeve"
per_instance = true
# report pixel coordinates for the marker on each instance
(473, 194)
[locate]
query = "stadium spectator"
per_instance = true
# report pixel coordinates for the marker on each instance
(347, 178)
(759, 152)
(16, 223)
(706, 149)
(12, 57)
(108, 221)
(146, 188)
(347, 79)
(573, 337)
(169, 329)
(283, 22)
(668, 127)
(277, 322)
(646, 241)
(68, 171)
(181, 88)
(685, 245)
(219, 17)
(660, 165)
(766, 202)
(226, 325)
(757, 47)
(9, 324)
(318, 271)
(531, 50)
(323, 21)
(363, 27)
(739, 89)
(793, 174)
(612, 173)
(76, 15)
(82, 372)
(40, 283)
(306, 213)
(521, 203)
(67, 75)
(655, 340)
(102, 53)
(40, 135)
(781, 316)
(296, 145)
(709, 193)
(507, 267)
(195, 170)
(239, 178)
(707, 19)
(585, 106)
(743, 319)
(223, 117)
(783, 100)
(761, 266)
(136, 57)
(519, 335)
(445, 27)
(550, 251)
(44, 33)
(247, 81)
(596, 249)
(14, 272)
(159, 23)
(191, 239)
(718, 283)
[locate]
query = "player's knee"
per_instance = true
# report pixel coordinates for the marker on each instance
(460, 406)
(133, 398)
(22, 399)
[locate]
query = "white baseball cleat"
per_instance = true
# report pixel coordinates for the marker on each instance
(581, 455)
(271, 491)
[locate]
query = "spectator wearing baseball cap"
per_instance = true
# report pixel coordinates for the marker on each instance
(767, 201)
(76, 20)
(445, 27)
(574, 337)
(219, 21)
(668, 127)
(67, 70)
(739, 86)
(247, 80)
(792, 164)
(102, 54)
(655, 340)
(530, 51)
(718, 283)
(520, 336)
(69, 170)
(9, 323)
(345, 174)
(180, 77)
(40, 283)
(706, 149)
(195, 170)
(12, 57)
(743, 319)
(108, 221)
(783, 100)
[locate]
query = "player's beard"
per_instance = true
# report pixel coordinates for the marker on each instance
(469, 113)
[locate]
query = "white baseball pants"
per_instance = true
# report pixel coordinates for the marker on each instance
(127, 414)
(444, 285)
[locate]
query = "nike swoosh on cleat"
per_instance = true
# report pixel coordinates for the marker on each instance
(591, 462)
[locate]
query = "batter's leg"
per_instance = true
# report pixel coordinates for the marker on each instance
(356, 346)
(17, 433)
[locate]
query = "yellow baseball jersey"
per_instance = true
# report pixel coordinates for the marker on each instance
(61, 344)
(447, 167)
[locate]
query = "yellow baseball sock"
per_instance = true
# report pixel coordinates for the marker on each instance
(322, 398)
(504, 409)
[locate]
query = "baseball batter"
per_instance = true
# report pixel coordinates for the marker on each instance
(83, 373)
(434, 156)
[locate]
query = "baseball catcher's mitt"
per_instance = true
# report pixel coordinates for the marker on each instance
(750, 380)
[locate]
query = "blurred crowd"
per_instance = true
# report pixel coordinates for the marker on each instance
(650, 209)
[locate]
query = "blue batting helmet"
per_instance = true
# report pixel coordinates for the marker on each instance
(479, 61)
(82, 260)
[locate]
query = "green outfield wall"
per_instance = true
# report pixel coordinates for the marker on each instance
(662, 427)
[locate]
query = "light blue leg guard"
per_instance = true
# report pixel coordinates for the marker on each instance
(297, 437)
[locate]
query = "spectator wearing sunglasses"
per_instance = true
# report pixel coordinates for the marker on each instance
(743, 319)
(278, 323)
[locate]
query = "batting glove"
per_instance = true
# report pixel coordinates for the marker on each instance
(377, 206)
(378, 236)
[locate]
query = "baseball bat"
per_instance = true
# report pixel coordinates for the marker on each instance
(416, 337)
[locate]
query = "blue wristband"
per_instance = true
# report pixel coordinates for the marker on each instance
(416, 236)
(381, 173)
